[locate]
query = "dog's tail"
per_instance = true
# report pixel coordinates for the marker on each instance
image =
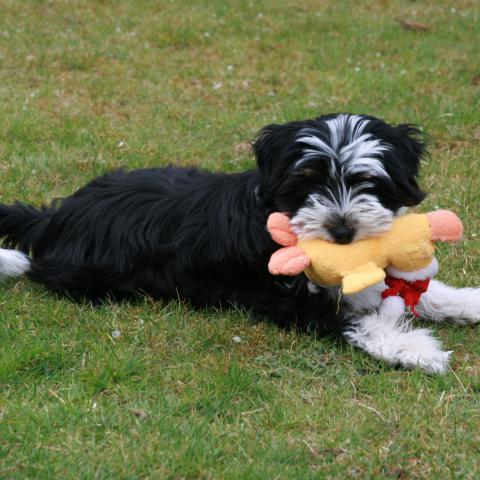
(20, 226)
(13, 263)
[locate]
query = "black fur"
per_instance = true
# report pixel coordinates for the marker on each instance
(177, 232)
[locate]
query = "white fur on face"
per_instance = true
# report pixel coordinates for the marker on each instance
(349, 150)
(362, 211)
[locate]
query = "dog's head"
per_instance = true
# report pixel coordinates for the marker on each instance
(341, 177)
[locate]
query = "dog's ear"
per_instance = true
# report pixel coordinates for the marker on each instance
(404, 163)
(268, 147)
(275, 150)
(410, 141)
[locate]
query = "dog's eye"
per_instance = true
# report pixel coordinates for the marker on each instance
(308, 172)
(365, 176)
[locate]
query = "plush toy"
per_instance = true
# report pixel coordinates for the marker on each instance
(406, 252)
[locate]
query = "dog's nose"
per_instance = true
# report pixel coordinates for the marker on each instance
(342, 234)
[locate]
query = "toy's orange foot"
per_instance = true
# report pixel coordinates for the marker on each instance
(288, 261)
(361, 278)
(278, 225)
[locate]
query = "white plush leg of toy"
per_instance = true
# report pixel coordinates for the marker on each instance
(392, 308)
(387, 338)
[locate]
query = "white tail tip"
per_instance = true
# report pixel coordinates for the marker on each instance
(13, 263)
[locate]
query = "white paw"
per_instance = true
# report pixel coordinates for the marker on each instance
(461, 305)
(417, 348)
(468, 310)
(395, 343)
(13, 263)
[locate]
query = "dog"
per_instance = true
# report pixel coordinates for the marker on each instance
(186, 233)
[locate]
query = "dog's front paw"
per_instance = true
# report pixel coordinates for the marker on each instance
(469, 312)
(442, 302)
(387, 340)
(419, 349)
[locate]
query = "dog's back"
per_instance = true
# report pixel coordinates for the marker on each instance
(126, 233)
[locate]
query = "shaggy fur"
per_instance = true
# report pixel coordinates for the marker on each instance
(181, 232)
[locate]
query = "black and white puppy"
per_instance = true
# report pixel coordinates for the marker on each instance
(181, 232)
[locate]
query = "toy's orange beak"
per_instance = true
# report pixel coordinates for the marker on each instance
(445, 226)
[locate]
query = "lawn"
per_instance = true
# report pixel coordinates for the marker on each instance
(156, 390)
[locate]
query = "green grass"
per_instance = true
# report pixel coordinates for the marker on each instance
(87, 86)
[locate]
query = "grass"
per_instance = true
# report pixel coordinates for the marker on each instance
(93, 85)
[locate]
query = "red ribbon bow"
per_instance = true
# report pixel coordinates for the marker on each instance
(409, 291)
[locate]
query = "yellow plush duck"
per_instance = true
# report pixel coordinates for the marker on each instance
(406, 251)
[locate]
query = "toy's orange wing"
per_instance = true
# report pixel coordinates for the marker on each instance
(362, 277)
